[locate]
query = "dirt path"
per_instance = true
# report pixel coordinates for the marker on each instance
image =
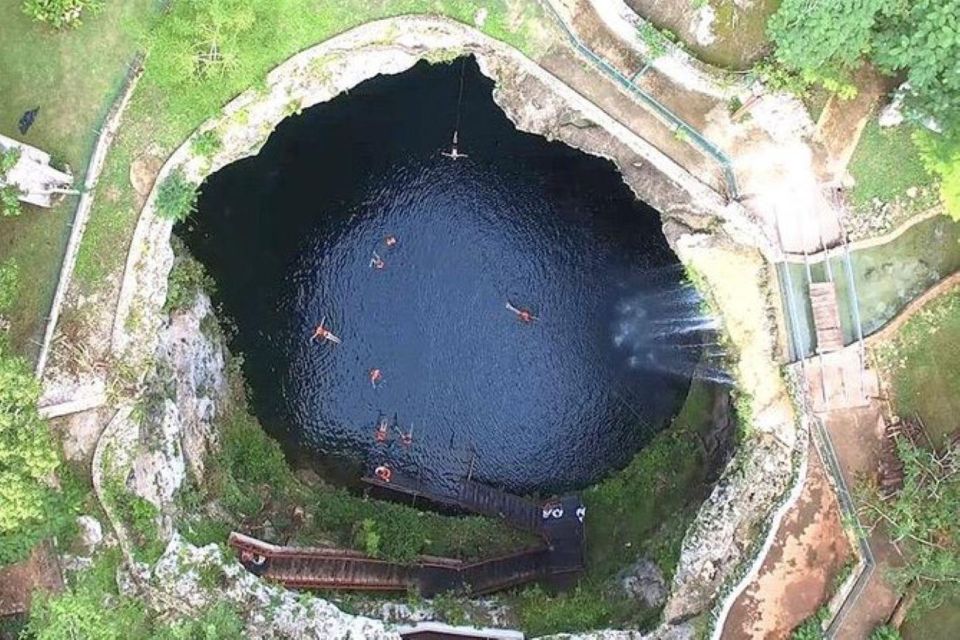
(798, 574)
(842, 122)
(19, 581)
(856, 435)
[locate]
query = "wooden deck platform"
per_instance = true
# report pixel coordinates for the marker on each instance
(559, 522)
(826, 317)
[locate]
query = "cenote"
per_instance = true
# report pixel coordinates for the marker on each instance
(289, 237)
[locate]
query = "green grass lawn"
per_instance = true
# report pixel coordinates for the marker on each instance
(940, 624)
(885, 164)
(73, 77)
(923, 365)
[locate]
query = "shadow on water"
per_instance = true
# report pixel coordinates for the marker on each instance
(292, 237)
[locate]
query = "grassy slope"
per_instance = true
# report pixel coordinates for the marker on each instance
(885, 164)
(923, 365)
(73, 77)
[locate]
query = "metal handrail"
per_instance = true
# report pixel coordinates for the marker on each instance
(659, 109)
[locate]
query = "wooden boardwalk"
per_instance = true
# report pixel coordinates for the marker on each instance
(558, 522)
(826, 317)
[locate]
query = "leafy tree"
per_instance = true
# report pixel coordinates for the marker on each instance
(922, 518)
(824, 39)
(201, 39)
(29, 505)
(60, 14)
(940, 154)
(922, 37)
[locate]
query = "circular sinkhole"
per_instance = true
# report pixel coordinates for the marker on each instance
(355, 216)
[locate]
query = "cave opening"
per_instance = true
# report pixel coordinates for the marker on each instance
(354, 216)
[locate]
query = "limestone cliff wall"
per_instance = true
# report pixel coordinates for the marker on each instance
(712, 236)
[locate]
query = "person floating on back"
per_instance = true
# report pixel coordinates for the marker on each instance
(390, 241)
(377, 262)
(376, 377)
(453, 154)
(523, 315)
(383, 431)
(322, 333)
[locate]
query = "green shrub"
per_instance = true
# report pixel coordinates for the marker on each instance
(219, 622)
(658, 42)
(187, 279)
(251, 455)
(177, 197)
(30, 508)
(369, 539)
(207, 144)
(8, 160)
(885, 632)
(61, 14)
(812, 627)
(569, 612)
(10, 201)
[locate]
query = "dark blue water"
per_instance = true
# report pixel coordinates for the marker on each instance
(289, 235)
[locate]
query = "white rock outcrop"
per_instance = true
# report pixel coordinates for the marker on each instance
(181, 400)
(182, 577)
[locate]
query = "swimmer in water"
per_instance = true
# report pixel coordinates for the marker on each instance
(382, 432)
(453, 154)
(523, 315)
(377, 262)
(406, 439)
(390, 241)
(376, 376)
(322, 333)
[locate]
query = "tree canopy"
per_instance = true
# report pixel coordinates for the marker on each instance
(922, 38)
(28, 461)
(823, 40)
